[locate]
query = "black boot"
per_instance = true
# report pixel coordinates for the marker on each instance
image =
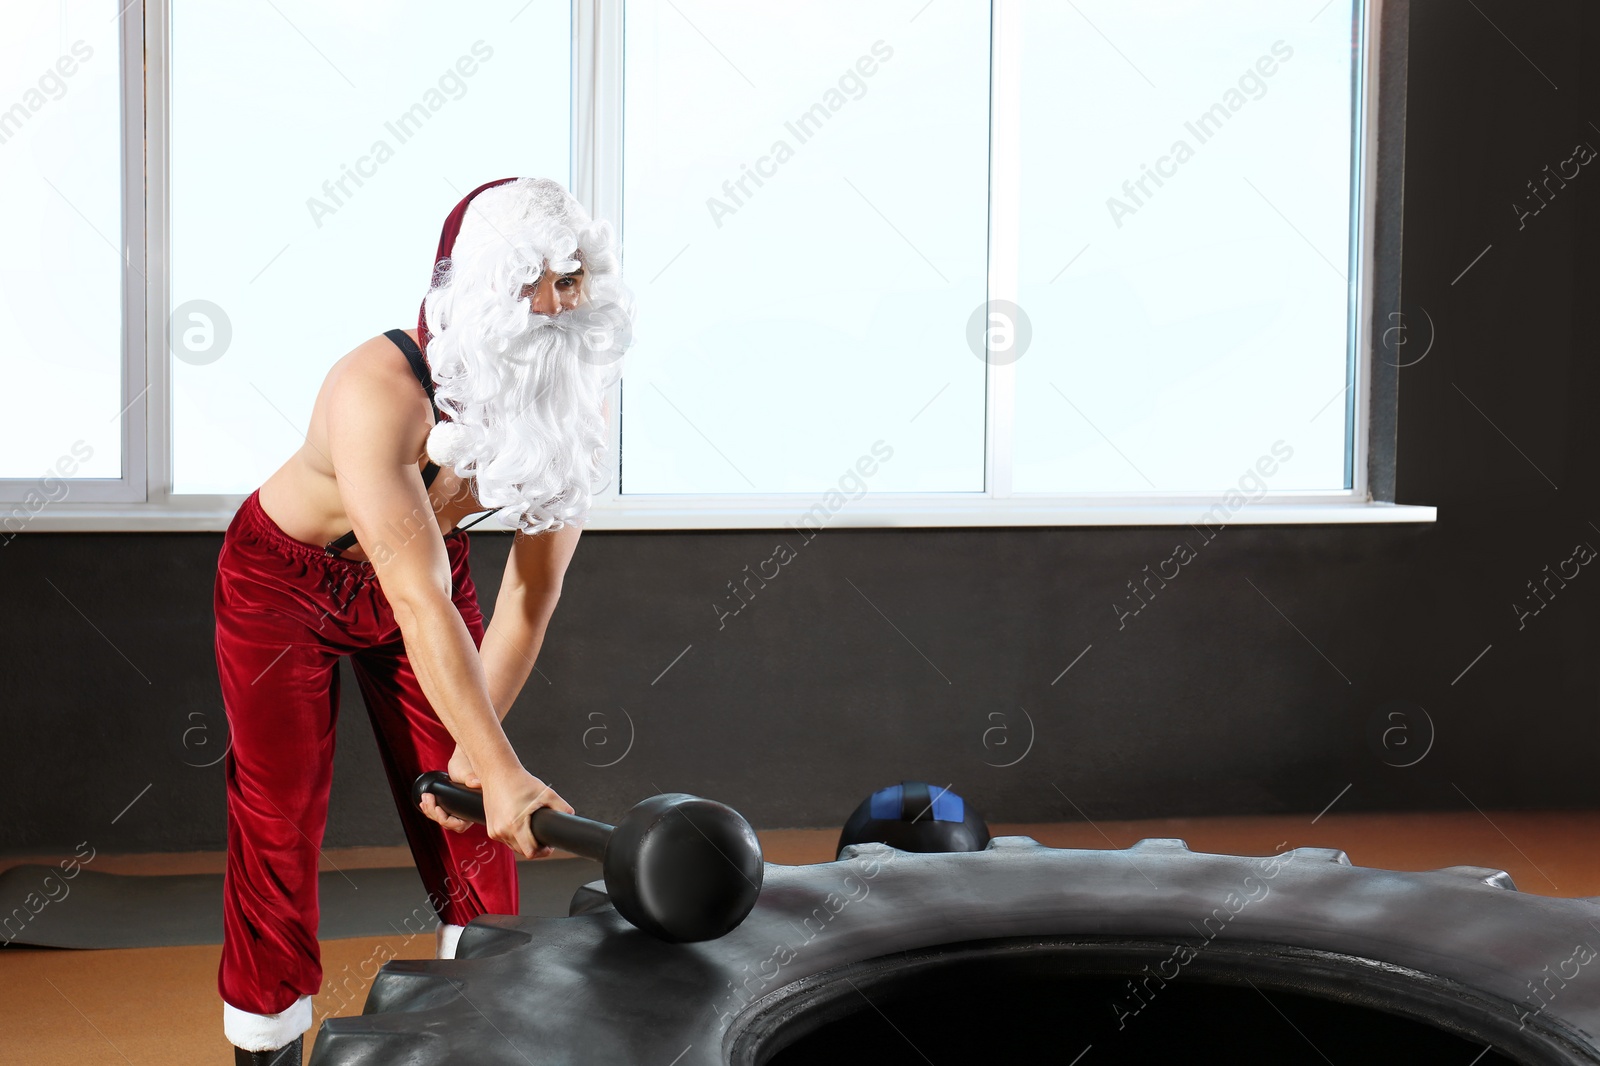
(288, 1055)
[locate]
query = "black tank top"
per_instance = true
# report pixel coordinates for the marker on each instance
(419, 367)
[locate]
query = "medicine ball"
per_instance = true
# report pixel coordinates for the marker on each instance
(915, 816)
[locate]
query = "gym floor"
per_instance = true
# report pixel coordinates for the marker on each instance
(159, 1006)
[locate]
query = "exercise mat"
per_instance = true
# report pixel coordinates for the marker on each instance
(40, 908)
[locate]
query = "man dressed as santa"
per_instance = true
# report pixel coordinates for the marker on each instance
(495, 402)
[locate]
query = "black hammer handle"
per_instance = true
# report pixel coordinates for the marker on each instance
(569, 832)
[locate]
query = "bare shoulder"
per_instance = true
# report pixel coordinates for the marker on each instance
(376, 373)
(373, 403)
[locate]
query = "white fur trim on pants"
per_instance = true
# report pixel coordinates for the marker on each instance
(266, 1032)
(448, 936)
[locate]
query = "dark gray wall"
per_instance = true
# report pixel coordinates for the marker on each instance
(1260, 680)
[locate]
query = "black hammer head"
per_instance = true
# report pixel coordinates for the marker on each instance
(682, 868)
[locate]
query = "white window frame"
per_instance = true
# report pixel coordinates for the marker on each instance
(142, 500)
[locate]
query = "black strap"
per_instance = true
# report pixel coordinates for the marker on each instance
(480, 518)
(419, 367)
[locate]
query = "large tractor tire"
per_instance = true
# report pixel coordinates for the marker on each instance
(1020, 952)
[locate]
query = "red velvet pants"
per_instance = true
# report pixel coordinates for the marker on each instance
(286, 612)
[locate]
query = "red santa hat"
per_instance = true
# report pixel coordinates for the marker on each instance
(447, 243)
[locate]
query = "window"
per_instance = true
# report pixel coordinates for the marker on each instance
(959, 263)
(305, 219)
(61, 182)
(805, 205)
(1185, 247)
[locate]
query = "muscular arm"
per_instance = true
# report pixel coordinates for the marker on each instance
(373, 450)
(528, 595)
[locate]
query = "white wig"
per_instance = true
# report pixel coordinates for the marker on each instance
(522, 392)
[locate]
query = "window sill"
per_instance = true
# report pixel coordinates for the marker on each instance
(982, 511)
(891, 511)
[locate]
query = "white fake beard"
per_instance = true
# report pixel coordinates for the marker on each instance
(526, 422)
